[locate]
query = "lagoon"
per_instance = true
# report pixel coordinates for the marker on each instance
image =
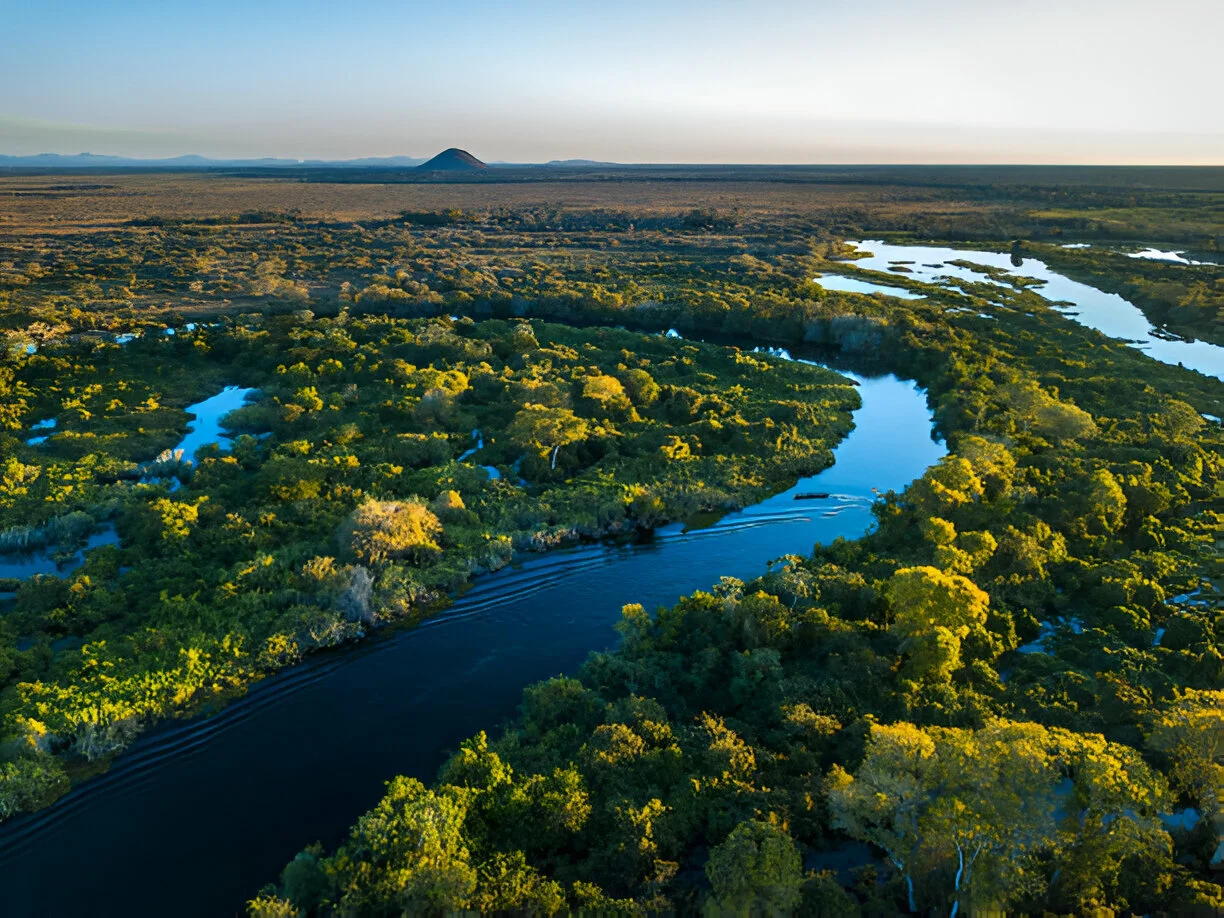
(1108, 313)
(206, 428)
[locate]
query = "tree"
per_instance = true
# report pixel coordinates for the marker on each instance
(1045, 415)
(933, 613)
(1062, 421)
(523, 338)
(885, 801)
(271, 906)
(993, 464)
(380, 531)
(507, 883)
(640, 385)
(542, 429)
(1190, 731)
(172, 520)
(985, 803)
(606, 392)
(994, 800)
(757, 869)
(1111, 823)
(354, 600)
(1104, 503)
(960, 553)
(1180, 421)
(29, 782)
(304, 881)
(449, 507)
(950, 484)
(409, 853)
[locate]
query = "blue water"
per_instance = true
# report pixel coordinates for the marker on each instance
(856, 285)
(1108, 313)
(206, 428)
(200, 814)
(27, 564)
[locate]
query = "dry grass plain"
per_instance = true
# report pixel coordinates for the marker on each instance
(74, 204)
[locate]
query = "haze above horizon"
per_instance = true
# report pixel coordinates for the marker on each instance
(794, 82)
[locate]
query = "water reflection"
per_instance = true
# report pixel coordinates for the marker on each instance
(843, 284)
(219, 805)
(1108, 313)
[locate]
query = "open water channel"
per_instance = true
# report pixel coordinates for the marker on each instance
(195, 816)
(1108, 313)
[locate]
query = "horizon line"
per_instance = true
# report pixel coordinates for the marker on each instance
(288, 161)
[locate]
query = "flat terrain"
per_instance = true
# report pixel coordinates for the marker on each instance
(77, 202)
(79, 205)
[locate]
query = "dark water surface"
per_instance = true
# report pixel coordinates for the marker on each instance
(196, 816)
(42, 561)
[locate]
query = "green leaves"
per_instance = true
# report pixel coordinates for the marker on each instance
(545, 430)
(408, 852)
(756, 870)
(991, 803)
(1190, 731)
(30, 781)
(381, 531)
(933, 613)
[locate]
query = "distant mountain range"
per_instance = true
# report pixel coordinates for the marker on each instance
(452, 160)
(192, 161)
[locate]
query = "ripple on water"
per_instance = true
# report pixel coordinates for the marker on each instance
(334, 729)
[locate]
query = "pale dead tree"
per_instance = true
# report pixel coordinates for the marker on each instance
(355, 600)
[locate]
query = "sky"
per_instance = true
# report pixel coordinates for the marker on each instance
(693, 81)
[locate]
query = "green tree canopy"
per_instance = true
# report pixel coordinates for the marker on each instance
(544, 429)
(756, 870)
(381, 531)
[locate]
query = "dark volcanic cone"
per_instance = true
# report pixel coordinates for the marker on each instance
(452, 160)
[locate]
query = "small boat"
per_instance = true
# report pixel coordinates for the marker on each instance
(812, 495)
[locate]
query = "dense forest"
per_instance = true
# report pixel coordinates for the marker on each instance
(354, 498)
(1008, 695)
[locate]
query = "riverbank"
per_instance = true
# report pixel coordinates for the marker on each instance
(328, 731)
(261, 557)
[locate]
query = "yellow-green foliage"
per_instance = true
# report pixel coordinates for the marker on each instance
(354, 509)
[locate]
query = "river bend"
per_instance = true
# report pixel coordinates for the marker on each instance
(197, 815)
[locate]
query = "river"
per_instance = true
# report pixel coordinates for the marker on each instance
(197, 815)
(1108, 313)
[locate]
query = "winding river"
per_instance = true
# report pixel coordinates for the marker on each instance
(1108, 313)
(197, 815)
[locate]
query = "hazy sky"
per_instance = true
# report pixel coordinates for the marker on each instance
(789, 81)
